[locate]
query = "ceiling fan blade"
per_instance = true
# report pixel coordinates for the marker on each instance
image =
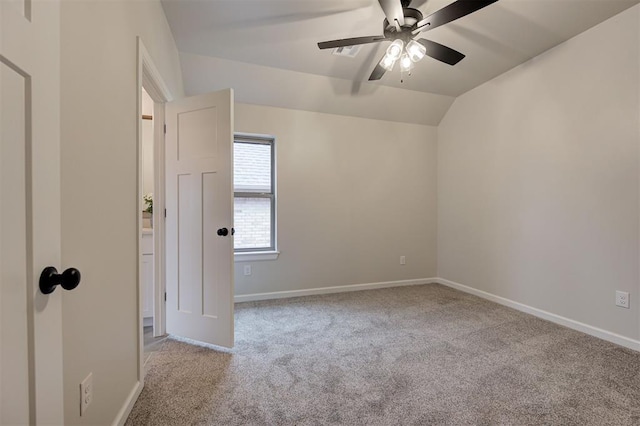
(378, 72)
(450, 13)
(393, 11)
(350, 42)
(442, 53)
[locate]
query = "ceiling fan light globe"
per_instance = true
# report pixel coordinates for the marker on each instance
(416, 51)
(387, 62)
(406, 64)
(395, 49)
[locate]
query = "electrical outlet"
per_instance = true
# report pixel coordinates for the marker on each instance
(247, 269)
(86, 393)
(403, 260)
(622, 299)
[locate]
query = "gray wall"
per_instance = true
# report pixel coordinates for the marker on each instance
(354, 195)
(99, 199)
(538, 180)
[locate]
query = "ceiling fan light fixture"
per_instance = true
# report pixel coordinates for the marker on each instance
(416, 51)
(387, 62)
(395, 50)
(406, 64)
(402, 23)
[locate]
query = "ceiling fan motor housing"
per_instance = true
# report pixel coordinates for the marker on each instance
(411, 17)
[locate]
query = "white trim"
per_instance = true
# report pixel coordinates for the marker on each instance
(139, 207)
(566, 322)
(124, 412)
(253, 256)
(638, 159)
(152, 81)
(557, 319)
(159, 238)
(329, 290)
(150, 78)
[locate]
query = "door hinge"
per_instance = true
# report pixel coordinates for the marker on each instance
(165, 212)
(165, 129)
(165, 296)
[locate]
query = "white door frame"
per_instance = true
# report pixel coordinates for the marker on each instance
(149, 77)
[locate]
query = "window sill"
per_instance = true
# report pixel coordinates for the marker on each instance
(252, 256)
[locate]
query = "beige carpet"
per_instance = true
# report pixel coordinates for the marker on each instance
(404, 356)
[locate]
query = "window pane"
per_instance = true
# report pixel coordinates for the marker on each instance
(252, 167)
(252, 222)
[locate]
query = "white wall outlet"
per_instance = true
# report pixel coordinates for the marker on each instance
(86, 393)
(622, 299)
(247, 269)
(403, 260)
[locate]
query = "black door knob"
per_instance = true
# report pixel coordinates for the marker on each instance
(223, 232)
(50, 278)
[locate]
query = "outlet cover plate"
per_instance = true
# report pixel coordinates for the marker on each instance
(622, 299)
(86, 393)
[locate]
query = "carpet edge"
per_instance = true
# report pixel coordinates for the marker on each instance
(609, 336)
(329, 290)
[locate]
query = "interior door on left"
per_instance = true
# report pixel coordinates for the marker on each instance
(30, 322)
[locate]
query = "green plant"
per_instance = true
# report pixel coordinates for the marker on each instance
(148, 199)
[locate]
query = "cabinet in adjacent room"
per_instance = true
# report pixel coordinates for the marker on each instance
(147, 275)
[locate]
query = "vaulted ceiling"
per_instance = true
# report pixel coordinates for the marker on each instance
(283, 35)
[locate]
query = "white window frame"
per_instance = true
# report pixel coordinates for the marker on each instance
(267, 253)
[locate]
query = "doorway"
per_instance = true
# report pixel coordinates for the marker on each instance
(152, 95)
(199, 160)
(152, 338)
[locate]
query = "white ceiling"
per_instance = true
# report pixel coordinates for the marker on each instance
(283, 34)
(260, 85)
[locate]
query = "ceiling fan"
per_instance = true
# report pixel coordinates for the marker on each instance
(402, 25)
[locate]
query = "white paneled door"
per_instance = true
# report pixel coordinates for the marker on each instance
(30, 322)
(199, 154)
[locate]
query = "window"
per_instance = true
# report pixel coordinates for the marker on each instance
(254, 193)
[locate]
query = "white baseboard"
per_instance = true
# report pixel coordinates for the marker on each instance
(328, 290)
(566, 322)
(124, 412)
